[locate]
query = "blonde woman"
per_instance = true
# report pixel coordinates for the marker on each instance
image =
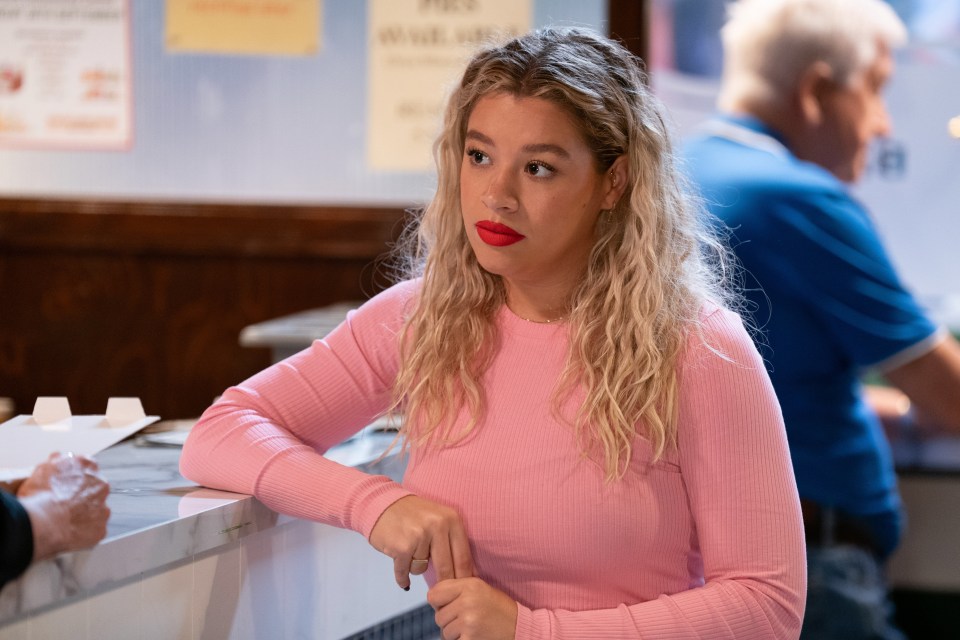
(595, 450)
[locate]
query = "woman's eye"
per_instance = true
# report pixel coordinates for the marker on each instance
(477, 157)
(540, 170)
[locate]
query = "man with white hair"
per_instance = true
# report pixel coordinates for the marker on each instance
(801, 99)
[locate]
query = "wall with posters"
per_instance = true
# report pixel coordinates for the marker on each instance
(250, 128)
(243, 192)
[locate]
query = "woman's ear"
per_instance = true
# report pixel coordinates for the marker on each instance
(813, 89)
(615, 182)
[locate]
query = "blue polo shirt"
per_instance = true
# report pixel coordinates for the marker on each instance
(827, 303)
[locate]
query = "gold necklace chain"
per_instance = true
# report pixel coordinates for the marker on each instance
(549, 321)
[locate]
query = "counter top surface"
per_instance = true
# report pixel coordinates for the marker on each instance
(297, 330)
(159, 518)
(933, 454)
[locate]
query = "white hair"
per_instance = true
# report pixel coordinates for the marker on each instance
(769, 44)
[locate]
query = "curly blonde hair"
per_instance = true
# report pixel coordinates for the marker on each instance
(649, 272)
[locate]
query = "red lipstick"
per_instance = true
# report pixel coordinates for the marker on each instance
(496, 234)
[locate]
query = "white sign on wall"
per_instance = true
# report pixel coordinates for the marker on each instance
(416, 48)
(65, 74)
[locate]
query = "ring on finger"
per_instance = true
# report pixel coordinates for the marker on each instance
(418, 564)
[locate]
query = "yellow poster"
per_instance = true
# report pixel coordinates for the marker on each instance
(256, 27)
(416, 48)
(65, 74)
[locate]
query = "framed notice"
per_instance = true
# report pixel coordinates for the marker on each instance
(65, 74)
(416, 48)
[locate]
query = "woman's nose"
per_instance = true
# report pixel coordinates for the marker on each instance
(500, 194)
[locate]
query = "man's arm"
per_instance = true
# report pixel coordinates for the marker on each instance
(16, 538)
(932, 384)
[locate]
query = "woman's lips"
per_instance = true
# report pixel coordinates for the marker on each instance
(496, 234)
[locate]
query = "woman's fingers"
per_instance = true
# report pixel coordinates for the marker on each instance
(421, 558)
(460, 550)
(440, 556)
(450, 554)
(418, 534)
(401, 572)
(416, 563)
(419, 566)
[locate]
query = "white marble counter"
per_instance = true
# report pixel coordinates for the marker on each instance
(162, 525)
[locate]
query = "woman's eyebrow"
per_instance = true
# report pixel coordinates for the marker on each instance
(473, 134)
(544, 147)
(547, 148)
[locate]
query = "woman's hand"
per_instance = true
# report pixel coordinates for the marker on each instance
(470, 609)
(413, 530)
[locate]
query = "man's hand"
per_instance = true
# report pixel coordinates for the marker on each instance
(65, 498)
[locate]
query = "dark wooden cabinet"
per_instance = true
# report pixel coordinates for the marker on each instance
(148, 299)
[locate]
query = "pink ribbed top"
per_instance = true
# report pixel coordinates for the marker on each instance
(705, 543)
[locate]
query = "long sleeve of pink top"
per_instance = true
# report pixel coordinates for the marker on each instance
(705, 542)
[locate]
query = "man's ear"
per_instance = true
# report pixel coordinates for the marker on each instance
(816, 83)
(615, 182)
